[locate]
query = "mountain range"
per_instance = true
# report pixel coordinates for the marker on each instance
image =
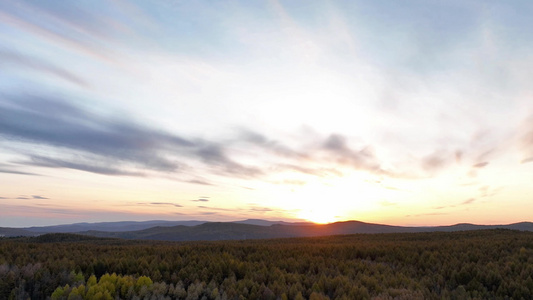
(239, 230)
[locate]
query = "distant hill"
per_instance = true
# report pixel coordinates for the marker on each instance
(134, 226)
(239, 230)
(110, 226)
(270, 223)
(206, 231)
(10, 232)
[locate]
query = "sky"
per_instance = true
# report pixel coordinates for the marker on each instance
(395, 112)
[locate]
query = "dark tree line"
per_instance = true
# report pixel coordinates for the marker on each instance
(487, 264)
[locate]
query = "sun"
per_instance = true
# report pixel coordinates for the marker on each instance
(333, 200)
(319, 204)
(319, 216)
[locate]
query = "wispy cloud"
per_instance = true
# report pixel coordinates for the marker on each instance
(337, 146)
(58, 124)
(436, 161)
(260, 209)
(214, 155)
(199, 181)
(481, 164)
(25, 197)
(8, 171)
(426, 215)
(87, 167)
(526, 139)
(162, 203)
(29, 26)
(468, 201)
(463, 203)
(19, 60)
(216, 208)
(203, 199)
(527, 160)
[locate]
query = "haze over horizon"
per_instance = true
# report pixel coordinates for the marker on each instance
(402, 113)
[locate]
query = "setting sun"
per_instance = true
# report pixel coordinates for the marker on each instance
(322, 215)
(332, 199)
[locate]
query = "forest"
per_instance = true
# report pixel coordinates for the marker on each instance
(481, 264)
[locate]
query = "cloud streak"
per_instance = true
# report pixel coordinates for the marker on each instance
(201, 200)
(20, 60)
(64, 126)
(8, 171)
(162, 203)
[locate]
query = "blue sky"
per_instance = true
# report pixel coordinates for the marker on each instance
(408, 113)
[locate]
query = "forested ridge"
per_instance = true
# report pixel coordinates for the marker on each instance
(484, 264)
(239, 230)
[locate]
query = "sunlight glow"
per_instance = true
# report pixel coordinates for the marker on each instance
(335, 199)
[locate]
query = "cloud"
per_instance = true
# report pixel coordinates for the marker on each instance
(337, 145)
(215, 155)
(426, 214)
(88, 167)
(39, 197)
(64, 214)
(268, 144)
(468, 201)
(436, 161)
(481, 164)
(259, 209)
(23, 198)
(527, 160)
(63, 32)
(58, 124)
(332, 155)
(458, 156)
(8, 171)
(217, 208)
(311, 170)
(163, 203)
(151, 204)
(75, 17)
(199, 181)
(113, 146)
(526, 139)
(292, 182)
(203, 199)
(114, 141)
(488, 191)
(364, 159)
(465, 202)
(19, 60)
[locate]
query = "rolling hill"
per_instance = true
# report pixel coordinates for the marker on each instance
(240, 230)
(237, 231)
